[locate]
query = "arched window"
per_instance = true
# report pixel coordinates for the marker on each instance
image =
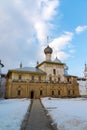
(32, 77)
(68, 80)
(50, 79)
(20, 77)
(52, 92)
(19, 91)
(68, 92)
(73, 92)
(41, 93)
(54, 71)
(58, 92)
(59, 79)
(39, 78)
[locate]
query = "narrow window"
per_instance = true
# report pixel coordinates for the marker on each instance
(68, 92)
(54, 71)
(40, 92)
(73, 92)
(32, 78)
(39, 78)
(67, 79)
(52, 92)
(19, 92)
(58, 92)
(58, 79)
(20, 77)
(50, 78)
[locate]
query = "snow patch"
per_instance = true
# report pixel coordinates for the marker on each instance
(68, 114)
(12, 112)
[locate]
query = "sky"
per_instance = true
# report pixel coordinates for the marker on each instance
(26, 24)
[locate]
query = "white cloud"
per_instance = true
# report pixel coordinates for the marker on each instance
(62, 55)
(72, 51)
(24, 26)
(48, 10)
(38, 14)
(60, 44)
(62, 41)
(80, 29)
(42, 19)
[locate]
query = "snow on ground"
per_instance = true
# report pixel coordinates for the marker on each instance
(12, 112)
(69, 114)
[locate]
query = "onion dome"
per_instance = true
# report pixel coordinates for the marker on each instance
(48, 50)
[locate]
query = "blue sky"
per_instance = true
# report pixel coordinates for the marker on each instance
(25, 25)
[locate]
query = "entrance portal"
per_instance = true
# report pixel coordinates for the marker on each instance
(32, 94)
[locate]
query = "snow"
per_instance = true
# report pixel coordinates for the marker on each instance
(68, 114)
(12, 112)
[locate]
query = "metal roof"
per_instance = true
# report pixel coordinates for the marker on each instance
(57, 60)
(29, 69)
(66, 73)
(50, 62)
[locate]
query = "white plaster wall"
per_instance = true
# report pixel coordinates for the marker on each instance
(48, 56)
(83, 87)
(48, 68)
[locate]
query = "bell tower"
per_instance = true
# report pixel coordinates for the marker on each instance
(85, 71)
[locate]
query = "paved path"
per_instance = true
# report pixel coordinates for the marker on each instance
(38, 119)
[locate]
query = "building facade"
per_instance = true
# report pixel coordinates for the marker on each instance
(49, 78)
(83, 83)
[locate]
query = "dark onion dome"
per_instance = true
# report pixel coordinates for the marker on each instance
(48, 50)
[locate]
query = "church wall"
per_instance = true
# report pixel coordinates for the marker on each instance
(13, 89)
(83, 87)
(73, 90)
(48, 68)
(27, 76)
(48, 89)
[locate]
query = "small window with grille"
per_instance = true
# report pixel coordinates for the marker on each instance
(54, 71)
(58, 92)
(32, 77)
(52, 92)
(20, 77)
(41, 93)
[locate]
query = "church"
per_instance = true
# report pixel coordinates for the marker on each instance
(47, 79)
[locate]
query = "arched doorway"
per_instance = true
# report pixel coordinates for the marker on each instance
(32, 95)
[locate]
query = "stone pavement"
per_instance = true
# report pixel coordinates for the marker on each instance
(37, 118)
